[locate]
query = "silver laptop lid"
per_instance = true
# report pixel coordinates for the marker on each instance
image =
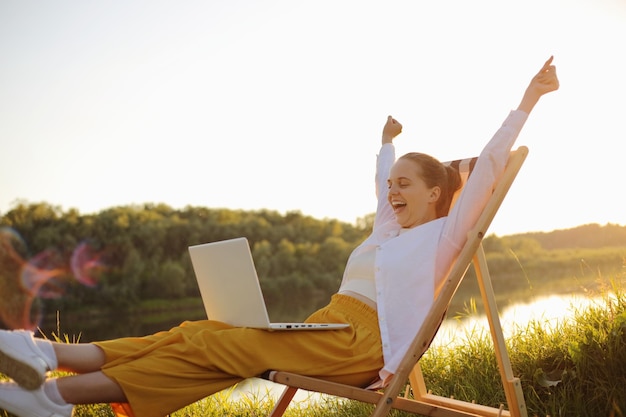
(228, 283)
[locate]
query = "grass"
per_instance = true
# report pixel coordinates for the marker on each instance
(575, 367)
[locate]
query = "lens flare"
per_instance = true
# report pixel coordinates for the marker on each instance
(86, 265)
(16, 301)
(39, 273)
(23, 280)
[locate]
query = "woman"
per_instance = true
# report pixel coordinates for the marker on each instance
(395, 272)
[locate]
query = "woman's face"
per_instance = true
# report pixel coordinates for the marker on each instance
(413, 202)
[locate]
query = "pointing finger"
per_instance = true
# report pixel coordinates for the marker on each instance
(547, 64)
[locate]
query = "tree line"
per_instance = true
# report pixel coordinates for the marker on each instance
(138, 253)
(115, 258)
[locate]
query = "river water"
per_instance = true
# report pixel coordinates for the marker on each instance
(549, 311)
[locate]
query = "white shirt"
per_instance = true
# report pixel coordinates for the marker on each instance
(359, 278)
(411, 266)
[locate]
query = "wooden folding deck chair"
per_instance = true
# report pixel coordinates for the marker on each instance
(409, 369)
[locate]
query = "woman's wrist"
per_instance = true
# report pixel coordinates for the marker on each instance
(528, 102)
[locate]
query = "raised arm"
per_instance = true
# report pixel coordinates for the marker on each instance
(488, 170)
(385, 159)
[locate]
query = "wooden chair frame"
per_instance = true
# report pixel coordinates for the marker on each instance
(409, 369)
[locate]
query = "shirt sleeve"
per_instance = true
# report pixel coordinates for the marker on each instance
(473, 198)
(384, 160)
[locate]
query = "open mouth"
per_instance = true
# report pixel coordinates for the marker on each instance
(397, 205)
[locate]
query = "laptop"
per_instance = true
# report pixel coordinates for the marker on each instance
(230, 287)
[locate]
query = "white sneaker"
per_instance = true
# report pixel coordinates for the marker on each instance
(35, 403)
(21, 359)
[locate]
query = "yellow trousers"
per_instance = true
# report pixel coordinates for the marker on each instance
(166, 371)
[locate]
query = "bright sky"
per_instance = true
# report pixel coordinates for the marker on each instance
(271, 104)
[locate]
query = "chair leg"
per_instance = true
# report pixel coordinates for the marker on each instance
(417, 382)
(283, 402)
(512, 387)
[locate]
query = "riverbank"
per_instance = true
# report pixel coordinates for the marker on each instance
(574, 365)
(570, 366)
